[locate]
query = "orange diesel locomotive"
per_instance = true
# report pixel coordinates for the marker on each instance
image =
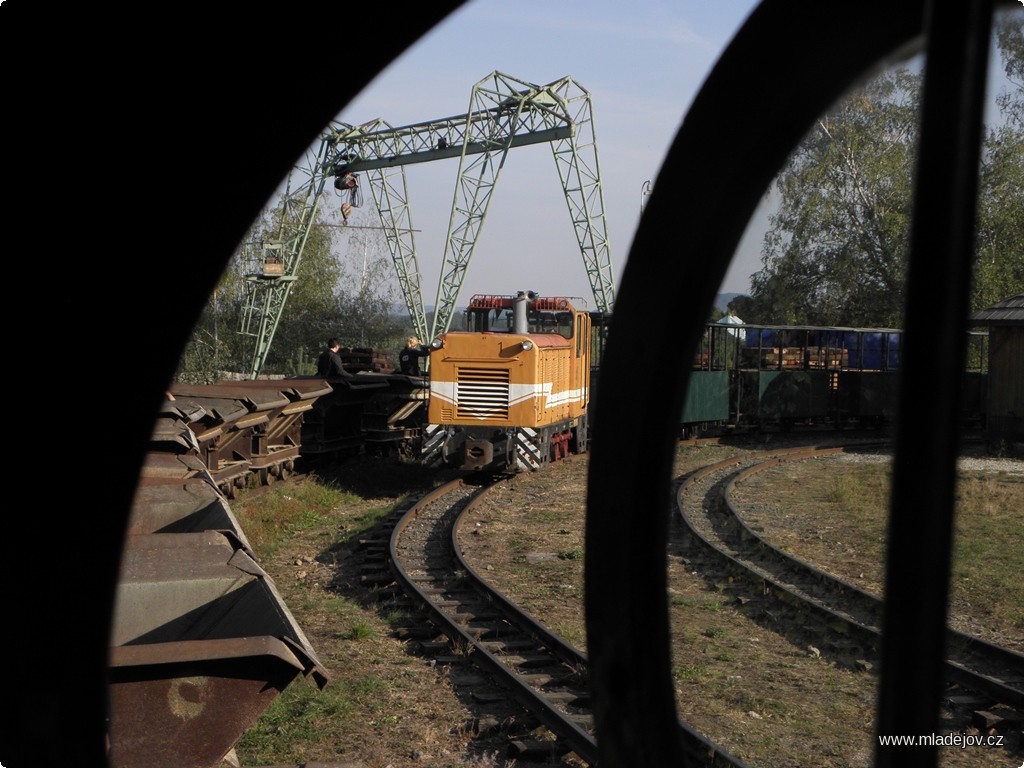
(511, 392)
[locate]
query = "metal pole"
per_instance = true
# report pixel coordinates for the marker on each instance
(645, 193)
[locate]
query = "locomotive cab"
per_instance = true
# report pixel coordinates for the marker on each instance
(511, 392)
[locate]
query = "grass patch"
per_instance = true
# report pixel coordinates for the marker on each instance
(364, 521)
(549, 516)
(688, 673)
(286, 510)
(988, 563)
(397, 616)
(842, 490)
(859, 489)
(359, 631)
(686, 601)
(574, 634)
(333, 604)
(297, 716)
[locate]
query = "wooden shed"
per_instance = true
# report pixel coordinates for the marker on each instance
(1005, 406)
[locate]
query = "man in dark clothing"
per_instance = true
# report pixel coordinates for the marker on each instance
(409, 357)
(329, 363)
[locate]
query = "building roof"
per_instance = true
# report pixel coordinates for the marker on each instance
(1006, 312)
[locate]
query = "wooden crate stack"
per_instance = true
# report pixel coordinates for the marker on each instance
(827, 357)
(796, 358)
(791, 357)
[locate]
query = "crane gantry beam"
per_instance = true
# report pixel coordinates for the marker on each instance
(504, 113)
(426, 142)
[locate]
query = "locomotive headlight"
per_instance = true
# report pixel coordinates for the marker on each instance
(437, 344)
(527, 345)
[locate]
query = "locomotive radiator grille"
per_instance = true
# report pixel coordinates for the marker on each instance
(482, 393)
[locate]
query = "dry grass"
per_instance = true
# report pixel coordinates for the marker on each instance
(833, 512)
(383, 706)
(741, 678)
(765, 698)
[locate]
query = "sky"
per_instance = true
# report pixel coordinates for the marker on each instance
(642, 63)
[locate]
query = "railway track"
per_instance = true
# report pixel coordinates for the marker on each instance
(523, 662)
(840, 617)
(538, 670)
(529, 687)
(522, 659)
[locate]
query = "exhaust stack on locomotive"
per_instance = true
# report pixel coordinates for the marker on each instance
(519, 317)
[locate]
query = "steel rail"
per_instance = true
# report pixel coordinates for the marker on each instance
(957, 670)
(546, 709)
(959, 644)
(696, 745)
(579, 740)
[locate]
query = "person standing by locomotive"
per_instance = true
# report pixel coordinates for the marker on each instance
(409, 357)
(329, 364)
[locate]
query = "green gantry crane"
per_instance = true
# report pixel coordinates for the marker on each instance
(504, 113)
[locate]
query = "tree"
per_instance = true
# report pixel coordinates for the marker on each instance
(837, 248)
(310, 315)
(999, 269)
(1010, 39)
(747, 309)
(345, 287)
(370, 293)
(215, 345)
